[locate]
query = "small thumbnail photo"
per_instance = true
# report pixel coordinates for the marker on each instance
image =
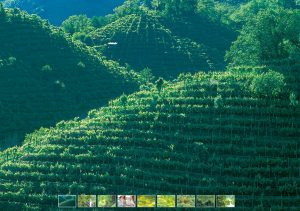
(146, 201)
(66, 201)
(107, 201)
(204, 201)
(186, 201)
(87, 201)
(166, 201)
(126, 201)
(225, 201)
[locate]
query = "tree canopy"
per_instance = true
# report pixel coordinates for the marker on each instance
(272, 38)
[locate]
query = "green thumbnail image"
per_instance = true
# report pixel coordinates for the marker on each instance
(186, 201)
(225, 201)
(87, 201)
(166, 200)
(146, 201)
(107, 201)
(65, 201)
(205, 201)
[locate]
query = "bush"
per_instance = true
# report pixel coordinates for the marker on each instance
(46, 68)
(269, 84)
(81, 65)
(12, 60)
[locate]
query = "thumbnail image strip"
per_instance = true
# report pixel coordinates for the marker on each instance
(205, 201)
(185, 200)
(225, 201)
(67, 201)
(107, 200)
(87, 201)
(146, 201)
(168, 201)
(126, 201)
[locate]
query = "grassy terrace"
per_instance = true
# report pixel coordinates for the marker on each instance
(204, 134)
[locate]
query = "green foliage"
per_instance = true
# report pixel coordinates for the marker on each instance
(81, 65)
(77, 78)
(123, 100)
(175, 8)
(77, 23)
(270, 84)
(146, 76)
(142, 41)
(252, 141)
(218, 101)
(271, 38)
(46, 68)
(2, 11)
(159, 84)
(132, 7)
(11, 60)
(293, 99)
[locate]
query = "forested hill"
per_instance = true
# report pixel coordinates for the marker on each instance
(45, 77)
(56, 11)
(206, 134)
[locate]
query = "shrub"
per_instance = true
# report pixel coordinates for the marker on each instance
(46, 68)
(293, 99)
(12, 60)
(269, 84)
(81, 65)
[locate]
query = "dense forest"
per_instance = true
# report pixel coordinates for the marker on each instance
(159, 97)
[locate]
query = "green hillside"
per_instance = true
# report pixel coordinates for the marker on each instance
(205, 134)
(214, 35)
(45, 77)
(143, 42)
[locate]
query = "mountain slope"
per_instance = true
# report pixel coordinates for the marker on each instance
(45, 77)
(205, 134)
(142, 41)
(59, 10)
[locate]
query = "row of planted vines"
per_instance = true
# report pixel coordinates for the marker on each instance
(205, 134)
(143, 42)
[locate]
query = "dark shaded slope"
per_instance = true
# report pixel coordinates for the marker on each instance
(216, 36)
(44, 77)
(142, 41)
(206, 134)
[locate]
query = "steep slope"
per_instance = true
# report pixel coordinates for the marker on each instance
(45, 77)
(56, 11)
(216, 36)
(205, 134)
(142, 41)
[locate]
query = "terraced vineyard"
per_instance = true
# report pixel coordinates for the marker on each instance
(205, 134)
(215, 36)
(45, 77)
(143, 42)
